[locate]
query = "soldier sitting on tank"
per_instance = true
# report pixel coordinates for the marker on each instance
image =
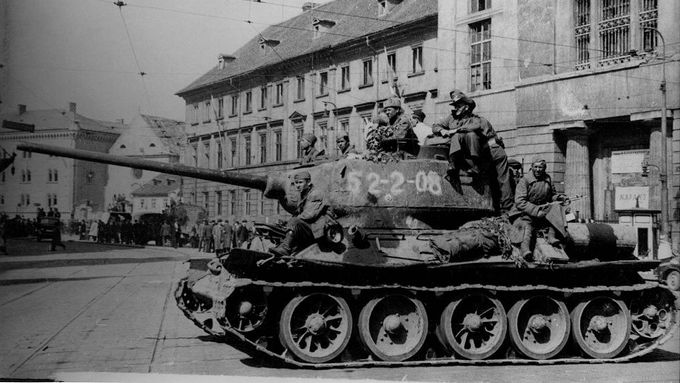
(475, 143)
(309, 152)
(345, 149)
(306, 212)
(392, 130)
(534, 193)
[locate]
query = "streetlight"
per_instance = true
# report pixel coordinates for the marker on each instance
(663, 169)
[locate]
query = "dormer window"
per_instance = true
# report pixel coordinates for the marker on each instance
(223, 59)
(321, 26)
(268, 43)
(382, 7)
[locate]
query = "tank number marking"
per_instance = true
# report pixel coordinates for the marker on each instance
(424, 182)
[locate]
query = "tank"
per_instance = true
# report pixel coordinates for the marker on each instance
(375, 290)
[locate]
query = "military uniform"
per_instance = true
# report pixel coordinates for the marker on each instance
(529, 195)
(312, 155)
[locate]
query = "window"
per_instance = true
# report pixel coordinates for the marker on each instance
(479, 5)
(417, 59)
(194, 152)
(298, 138)
(27, 154)
(344, 78)
(480, 55)
(232, 202)
(649, 14)
(206, 201)
(263, 97)
(391, 69)
(142, 203)
(25, 199)
(234, 105)
(300, 92)
(206, 112)
(323, 134)
(382, 7)
(250, 204)
(232, 143)
(220, 107)
(51, 200)
(249, 102)
(582, 33)
(263, 148)
(218, 202)
(246, 145)
(220, 155)
(55, 175)
(25, 176)
(368, 72)
(49, 175)
(614, 28)
(343, 126)
(194, 114)
(153, 203)
(323, 83)
(279, 94)
(278, 144)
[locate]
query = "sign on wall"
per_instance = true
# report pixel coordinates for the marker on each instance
(628, 161)
(631, 197)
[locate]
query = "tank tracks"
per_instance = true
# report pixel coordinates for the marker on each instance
(205, 303)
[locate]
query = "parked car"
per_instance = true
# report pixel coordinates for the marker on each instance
(46, 227)
(668, 272)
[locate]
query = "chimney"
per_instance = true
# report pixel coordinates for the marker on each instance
(22, 108)
(308, 5)
(72, 109)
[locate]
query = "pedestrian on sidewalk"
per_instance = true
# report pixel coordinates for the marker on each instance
(56, 238)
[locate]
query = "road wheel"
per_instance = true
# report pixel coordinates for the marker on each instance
(601, 326)
(316, 328)
(539, 326)
(673, 280)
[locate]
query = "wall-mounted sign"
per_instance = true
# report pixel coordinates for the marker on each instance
(631, 197)
(628, 161)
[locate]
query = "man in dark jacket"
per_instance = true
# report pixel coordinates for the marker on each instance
(242, 233)
(306, 212)
(309, 151)
(473, 143)
(533, 195)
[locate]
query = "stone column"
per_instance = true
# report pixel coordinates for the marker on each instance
(577, 177)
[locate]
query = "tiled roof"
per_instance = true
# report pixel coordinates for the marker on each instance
(171, 132)
(158, 186)
(59, 119)
(296, 34)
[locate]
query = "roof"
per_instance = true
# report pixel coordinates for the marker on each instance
(171, 132)
(158, 186)
(59, 119)
(354, 19)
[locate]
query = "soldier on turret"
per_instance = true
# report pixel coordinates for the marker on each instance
(309, 208)
(309, 151)
(473, 142)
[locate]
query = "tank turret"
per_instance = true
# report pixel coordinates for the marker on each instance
(409, 194)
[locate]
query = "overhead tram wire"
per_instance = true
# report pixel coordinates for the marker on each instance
(120, 4)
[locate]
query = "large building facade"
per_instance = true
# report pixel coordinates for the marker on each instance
(578, 83)
(324, 72)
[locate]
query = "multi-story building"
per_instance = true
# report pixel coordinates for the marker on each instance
(145, 137)
(578, 83)
(323, 71)
(155, 195)
(35, 181)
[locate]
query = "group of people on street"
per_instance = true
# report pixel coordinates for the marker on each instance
(217, 236)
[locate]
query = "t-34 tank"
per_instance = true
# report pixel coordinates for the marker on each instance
(374, 289)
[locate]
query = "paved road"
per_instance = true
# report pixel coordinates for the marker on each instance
(106, 313)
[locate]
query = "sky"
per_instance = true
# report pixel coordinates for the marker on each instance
(91, 51)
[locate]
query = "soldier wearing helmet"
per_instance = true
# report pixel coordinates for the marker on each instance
(306, 210)
(474, 143)
(309, 151)
(393, 130)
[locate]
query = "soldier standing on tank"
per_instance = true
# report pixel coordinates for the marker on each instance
(309, 208)
(309, 151)
(534, 193)
(393, 130)
(474, 142)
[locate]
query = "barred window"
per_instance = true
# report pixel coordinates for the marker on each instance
(582, 33)
(480, 55)
(649, 14)
(614, 29)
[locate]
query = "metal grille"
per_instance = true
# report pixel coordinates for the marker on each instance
(480, 55)
(582, 33)
(649, 14)
(614, 31)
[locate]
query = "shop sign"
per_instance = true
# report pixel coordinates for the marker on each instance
(631, 197)
(628, 161)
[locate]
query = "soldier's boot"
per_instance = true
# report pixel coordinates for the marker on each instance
(525, 247)
(285, 247)
(551, 238)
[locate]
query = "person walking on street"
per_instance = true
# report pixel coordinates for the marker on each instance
(56, 238)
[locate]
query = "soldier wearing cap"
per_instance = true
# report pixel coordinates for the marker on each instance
(394, 131)
(306, 212)
(309, 151)
(534, 193)
(473, 143)
(344, 147)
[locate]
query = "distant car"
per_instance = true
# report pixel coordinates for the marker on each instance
(668, 272)
(46, 227)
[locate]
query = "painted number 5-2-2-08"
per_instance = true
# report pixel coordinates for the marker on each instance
(394, 185)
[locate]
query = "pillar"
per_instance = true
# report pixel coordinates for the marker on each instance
(577, 177)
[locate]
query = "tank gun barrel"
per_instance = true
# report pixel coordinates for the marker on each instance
(226, 177)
